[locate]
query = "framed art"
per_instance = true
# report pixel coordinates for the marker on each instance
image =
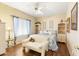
(68, 24)
(74, 17)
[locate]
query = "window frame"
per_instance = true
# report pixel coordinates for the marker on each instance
(30, 30)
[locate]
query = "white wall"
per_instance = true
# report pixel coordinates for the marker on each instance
(73, 35)
(51, 21)
(6, 13)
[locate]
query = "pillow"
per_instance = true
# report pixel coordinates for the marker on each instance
(32, 40)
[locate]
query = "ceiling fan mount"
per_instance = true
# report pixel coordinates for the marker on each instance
(36, 8)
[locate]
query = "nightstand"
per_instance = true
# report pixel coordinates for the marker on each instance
(10, 43)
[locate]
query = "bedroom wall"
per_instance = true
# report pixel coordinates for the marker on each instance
(6, 13)
(55, 19)
(73, 35)
(51, 21)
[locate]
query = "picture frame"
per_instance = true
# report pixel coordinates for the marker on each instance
(74, 17)
(68, 24)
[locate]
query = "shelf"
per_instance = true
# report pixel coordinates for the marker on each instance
(61, 28)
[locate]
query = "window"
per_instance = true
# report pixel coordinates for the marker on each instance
(21, 26)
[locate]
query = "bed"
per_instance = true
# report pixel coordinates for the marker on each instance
(52, 39)
(42, 42)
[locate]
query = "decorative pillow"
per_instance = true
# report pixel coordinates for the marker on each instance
(32, 40)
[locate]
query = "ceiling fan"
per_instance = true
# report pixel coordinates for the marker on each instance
(38, 9)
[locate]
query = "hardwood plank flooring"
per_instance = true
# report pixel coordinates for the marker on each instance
(18, 51)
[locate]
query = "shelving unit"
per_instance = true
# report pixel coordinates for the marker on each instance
(62, 32)
(61, 28)
(37, 27)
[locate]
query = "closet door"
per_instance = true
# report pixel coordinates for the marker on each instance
(2, 32)
(2, 38)
(51, 25)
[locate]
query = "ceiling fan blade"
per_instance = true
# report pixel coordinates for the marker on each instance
(39, 8)
(40, 12)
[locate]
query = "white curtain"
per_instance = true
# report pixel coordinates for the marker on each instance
(21, 26)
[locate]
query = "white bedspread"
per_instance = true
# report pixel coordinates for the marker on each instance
(33, 45)
(51, 39)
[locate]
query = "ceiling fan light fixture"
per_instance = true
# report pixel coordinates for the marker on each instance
(38, 10)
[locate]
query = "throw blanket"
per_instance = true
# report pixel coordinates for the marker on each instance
(52, 43)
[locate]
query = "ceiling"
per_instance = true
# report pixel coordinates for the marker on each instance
(47, 8)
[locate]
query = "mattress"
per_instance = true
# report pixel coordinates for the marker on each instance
(33, 45)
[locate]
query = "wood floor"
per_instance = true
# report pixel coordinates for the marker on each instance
(18, 51)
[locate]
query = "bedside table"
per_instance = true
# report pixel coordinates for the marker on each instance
(10, 43)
